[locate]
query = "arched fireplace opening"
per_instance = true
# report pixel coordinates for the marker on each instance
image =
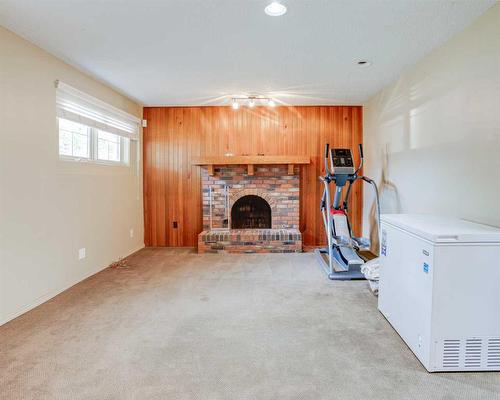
(251, 212)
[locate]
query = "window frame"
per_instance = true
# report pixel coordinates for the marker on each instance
(93, 148)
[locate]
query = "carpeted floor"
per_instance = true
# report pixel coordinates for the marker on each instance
(175, 325)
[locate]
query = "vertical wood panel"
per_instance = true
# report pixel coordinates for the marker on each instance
(172, 187)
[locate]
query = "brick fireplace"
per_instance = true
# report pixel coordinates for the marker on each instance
(250, 213)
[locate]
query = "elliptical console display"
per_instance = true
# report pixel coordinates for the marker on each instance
(342, 162)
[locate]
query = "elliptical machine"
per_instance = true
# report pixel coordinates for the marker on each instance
(341, 260)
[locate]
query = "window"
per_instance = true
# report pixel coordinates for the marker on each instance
(108, 146)
(78, 141)
(74, 139)
(92, 130)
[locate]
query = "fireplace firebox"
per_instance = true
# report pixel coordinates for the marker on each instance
(251, 212)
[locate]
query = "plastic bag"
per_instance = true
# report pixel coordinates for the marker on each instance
(371, 271)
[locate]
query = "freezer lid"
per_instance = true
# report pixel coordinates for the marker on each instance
(440, 229)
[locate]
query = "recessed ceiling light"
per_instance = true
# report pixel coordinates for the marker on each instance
(251, 103)
(235, 104)
(275, 9)
(364, 63)
(271, 103)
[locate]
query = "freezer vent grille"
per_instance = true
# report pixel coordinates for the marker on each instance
(493, 353)
(470, 353)
(473, 349)
(451, 353)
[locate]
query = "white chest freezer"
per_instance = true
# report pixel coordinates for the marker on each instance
(440, 289)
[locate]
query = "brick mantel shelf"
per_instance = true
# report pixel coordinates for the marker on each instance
(250, 162)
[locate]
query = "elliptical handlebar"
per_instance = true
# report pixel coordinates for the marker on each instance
(332, 152)
(327, 152)
(361, 158)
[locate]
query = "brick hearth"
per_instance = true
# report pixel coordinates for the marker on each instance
(250, 241)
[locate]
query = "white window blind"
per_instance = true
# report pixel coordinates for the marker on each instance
(77, 106)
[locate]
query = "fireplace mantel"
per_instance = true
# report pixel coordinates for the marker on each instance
(250, 161)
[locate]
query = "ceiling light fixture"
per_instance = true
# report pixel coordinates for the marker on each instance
(251, 101)
(275, 9)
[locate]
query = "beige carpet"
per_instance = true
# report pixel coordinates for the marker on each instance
(176, 325)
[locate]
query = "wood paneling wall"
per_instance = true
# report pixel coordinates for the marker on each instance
(172, 188)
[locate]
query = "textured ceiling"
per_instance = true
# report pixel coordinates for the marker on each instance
(205, 51)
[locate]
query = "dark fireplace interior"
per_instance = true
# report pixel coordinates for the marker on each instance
(251, 212)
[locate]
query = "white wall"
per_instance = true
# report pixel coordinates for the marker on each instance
(49, 208)
(434, 134)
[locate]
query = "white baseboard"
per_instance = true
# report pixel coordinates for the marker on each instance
(54, 293)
